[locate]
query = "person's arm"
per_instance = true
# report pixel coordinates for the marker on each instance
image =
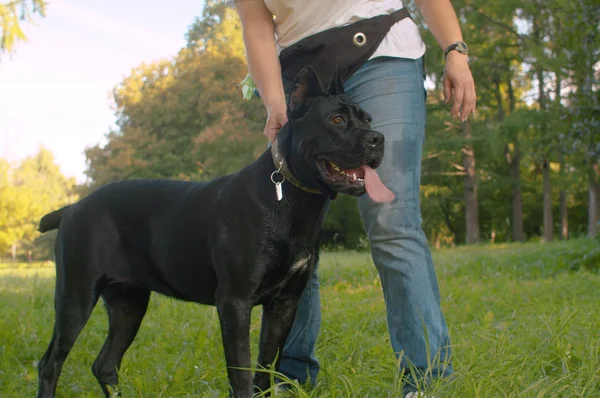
(440, 17)
(263, 62)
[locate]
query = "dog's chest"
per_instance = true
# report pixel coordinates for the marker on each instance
(290, 263)
(299, 265)
(286, 275)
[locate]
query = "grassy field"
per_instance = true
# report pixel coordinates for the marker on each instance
(524, 322)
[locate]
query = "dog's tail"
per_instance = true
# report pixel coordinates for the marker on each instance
(52, 220)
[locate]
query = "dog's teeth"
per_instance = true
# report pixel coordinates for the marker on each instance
(354, 177)
(338, 169)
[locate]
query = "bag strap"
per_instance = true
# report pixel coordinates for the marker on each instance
(400, 14)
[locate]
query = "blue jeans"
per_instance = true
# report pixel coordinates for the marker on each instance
(391, 90)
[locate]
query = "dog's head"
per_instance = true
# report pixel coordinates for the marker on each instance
(331, 143)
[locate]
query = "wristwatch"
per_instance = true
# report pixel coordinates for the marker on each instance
(459, 46)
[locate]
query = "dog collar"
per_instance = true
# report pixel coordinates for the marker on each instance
(281, 167)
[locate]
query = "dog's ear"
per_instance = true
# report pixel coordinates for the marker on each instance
(336, 85)
(307, 84)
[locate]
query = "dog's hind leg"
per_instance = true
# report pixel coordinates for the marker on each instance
(126, 306)
(73, 308)
(277, 320)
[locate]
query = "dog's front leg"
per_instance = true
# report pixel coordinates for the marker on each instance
(234, 315)
(277, 320)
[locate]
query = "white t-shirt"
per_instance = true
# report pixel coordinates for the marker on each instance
(297, 19)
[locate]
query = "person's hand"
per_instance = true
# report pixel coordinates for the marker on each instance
(459, 85)
(275, 120)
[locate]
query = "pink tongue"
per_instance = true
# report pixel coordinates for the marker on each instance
(377, 191)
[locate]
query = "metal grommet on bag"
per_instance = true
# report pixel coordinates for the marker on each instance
(359, 39)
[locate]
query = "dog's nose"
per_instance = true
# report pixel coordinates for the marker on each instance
(374, 138)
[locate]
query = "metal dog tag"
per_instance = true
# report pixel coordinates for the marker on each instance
(278, 191)
(278, 187)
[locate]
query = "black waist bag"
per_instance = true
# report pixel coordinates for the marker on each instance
(347, 47)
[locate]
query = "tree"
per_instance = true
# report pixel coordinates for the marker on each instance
(585, 107)
(27, 192)
(185, 118)
(471, 187)
(12, 13)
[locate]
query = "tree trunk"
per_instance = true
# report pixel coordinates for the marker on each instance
(471, 203)
(548, 234)
(564, 210)
(548, 222)
(541, 92)
(514, 160)
(14, 251)
(564, 216)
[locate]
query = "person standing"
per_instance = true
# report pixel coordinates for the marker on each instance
(389, 86)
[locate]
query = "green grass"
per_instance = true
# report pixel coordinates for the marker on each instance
(524, 322)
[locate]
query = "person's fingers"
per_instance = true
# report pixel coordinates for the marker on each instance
(271, 131)
(469, 102)
(275, 121)
(267, 130)
(447, 89)
(282, 120)
(458, 94)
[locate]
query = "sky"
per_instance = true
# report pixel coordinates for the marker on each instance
(55, 90)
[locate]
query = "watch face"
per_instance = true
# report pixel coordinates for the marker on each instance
(459, 46)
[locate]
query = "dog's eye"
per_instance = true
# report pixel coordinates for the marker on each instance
(338, 119)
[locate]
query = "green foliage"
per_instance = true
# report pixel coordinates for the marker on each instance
(248, 87)
(12, 14)
(27, 192)
(522, 320)
(187, 118)
(520, 122)
(343, 227)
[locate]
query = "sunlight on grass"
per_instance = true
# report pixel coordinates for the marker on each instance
(522, 318)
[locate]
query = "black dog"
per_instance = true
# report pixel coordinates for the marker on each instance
(235, 242)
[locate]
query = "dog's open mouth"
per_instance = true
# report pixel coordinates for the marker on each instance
(352, 176)
(355, 181)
